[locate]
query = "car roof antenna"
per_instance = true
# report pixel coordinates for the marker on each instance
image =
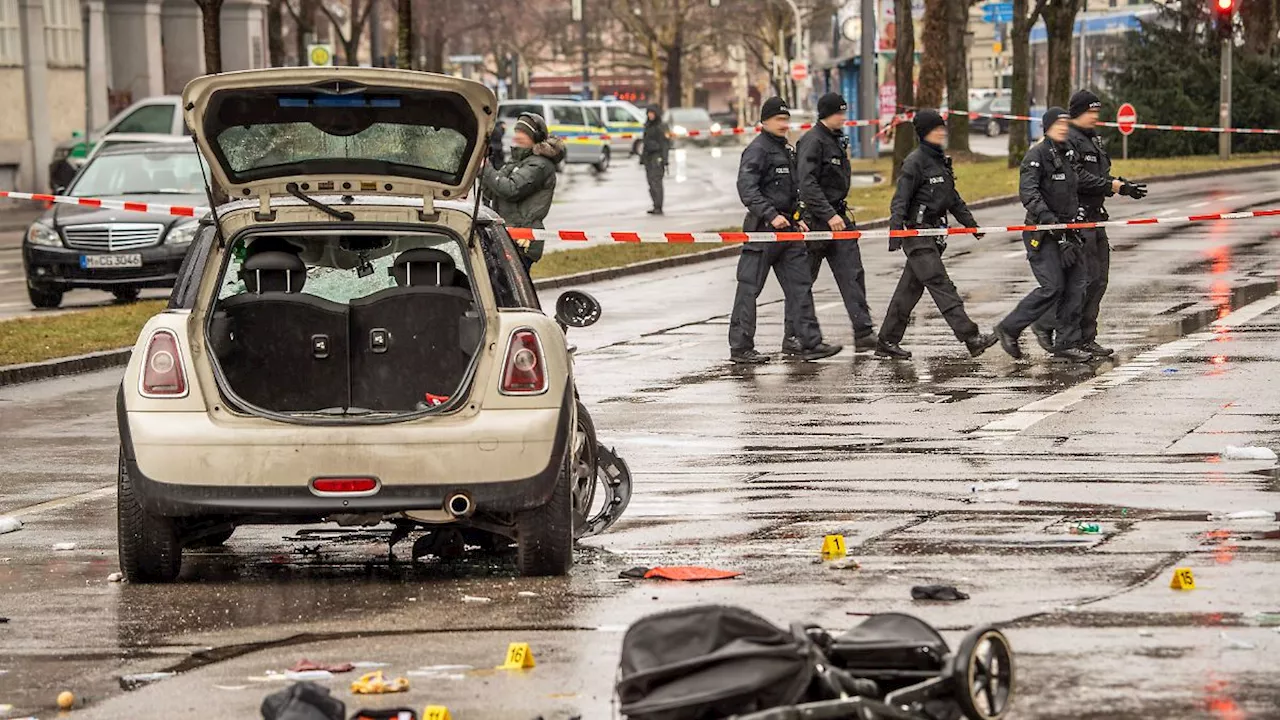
(208, 193)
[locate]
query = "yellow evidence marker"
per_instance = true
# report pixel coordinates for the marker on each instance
(436, 712)
(1182, 579)
(519, 657)
(833, 547)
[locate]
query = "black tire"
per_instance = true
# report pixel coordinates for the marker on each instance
(44, 298)
(993, 128)
(545, 543)
(983, 674)
(603, 164)
(636, 147)
(126, 294)
(149, 546)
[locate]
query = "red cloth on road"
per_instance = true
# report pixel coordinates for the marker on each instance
(690, 573)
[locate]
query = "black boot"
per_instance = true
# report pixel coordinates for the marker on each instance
(1072, 355)
(1093, 348)
(979, 343)
(1044, 337)
(865, 342)
(656, 211)
(891, 350)
(820, 351)
(748, 357)
(1009, 343)
(791, 346)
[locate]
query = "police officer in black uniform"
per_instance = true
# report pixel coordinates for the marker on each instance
(926, 193)
(1048, 189)
(767, 186)
(1096, 184)
(823, 166)
(654, 149)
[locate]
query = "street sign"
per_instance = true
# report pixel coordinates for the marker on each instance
(1126, 117)
(320, 55)
(466, 59)
(997, 12)
(799, 70)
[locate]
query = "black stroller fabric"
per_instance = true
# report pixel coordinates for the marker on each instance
(710, 662)
(886, 645)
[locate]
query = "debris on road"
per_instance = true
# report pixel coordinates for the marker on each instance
(115, 577)
(9, 524)
(1248, 453)
(375, 684)
(996, 486)
(1083, 528)
(394, 714)
(1242, 515)
(308, 675)
(63, 547)
(847, 563)
(305, 665)
(369, 665)
(474, 599)
(947, 593)
(66, 700)
(133, 682)
(685, 573)
(303, 701)
(526, 594)
(1236, 644)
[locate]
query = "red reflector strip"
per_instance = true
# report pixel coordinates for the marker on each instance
(733, 237)
(344, 485)
(679, 237)
(1203, 218)
(90, 202)
(573, 235)
(135, 207)
(626, 237)
(521, 233)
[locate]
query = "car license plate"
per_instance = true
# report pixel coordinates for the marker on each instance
(123, 260)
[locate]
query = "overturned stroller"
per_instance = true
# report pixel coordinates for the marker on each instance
(713, 662)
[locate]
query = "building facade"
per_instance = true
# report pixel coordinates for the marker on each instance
(66, 66)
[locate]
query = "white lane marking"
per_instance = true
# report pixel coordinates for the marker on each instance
(1202, 203)
(1170, 211)
(1015, 253)
(1032, 413)
(1230, 198)
(48, 505)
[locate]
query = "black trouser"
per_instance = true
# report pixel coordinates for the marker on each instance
(924, 270)
(845, 259)
(790, 266)
(1061, 292)
(654, 170)
(1097, 250)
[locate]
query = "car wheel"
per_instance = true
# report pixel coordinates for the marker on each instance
(993, 128)
(636, 147)
(603, 164)
(583, 467)
(545, 542)
(149, 547)
(44, 298)
(126, 294)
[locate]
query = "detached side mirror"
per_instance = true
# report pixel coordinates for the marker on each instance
(577, 309)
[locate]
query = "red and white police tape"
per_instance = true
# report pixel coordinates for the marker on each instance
(526, 234)
(179, 210)
(1140, 126)
(711, 133)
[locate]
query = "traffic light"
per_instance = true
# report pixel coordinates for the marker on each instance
(1225, 11)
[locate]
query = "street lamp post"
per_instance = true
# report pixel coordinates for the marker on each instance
(796, 47)
(580, 17)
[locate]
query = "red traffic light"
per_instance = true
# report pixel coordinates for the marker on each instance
(1226, 6)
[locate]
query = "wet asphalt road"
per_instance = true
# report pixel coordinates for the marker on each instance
(747, 469)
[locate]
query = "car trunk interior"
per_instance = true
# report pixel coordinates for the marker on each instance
(346, 324)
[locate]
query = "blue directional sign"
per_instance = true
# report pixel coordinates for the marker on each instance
(997, 12)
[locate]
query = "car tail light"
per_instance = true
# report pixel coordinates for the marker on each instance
(162, 373)
(344, 485)
(524, 372)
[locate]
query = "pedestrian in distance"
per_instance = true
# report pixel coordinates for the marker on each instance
(523, 188)
(1095, 185)
(925, 195)
(654, 151)
(1048, 189)
(768, 187)
(824, 169)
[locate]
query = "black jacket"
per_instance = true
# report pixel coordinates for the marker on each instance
(822, 159)
(1047, 186)
(1093, 172)
(926, 192)
(767, 181)
(656, 144)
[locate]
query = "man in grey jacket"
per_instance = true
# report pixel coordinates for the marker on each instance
(523, 188)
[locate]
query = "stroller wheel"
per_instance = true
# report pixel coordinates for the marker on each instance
(982, 674)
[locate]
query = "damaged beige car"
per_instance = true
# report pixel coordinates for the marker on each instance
(351, 340)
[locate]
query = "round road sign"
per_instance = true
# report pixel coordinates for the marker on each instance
(799, 70)
(1126, 118)
(320, 55)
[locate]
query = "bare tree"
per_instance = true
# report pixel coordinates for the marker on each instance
(358, 13)
(275, 32)
(933, 56)
(903, 67)
(211, 24)
(958, 73)
(1059, 21)
(304, 24)
(404, 34)
(1260, 19)
(1023, 21)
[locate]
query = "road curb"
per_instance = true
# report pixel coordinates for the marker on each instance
(75, 365)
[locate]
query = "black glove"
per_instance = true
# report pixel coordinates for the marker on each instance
(1137, 191)
(1070, 246)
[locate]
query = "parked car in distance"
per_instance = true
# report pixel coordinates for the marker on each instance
(117, 139)
(569, 119)
(120, 252)
(991, 127)
(691, 125)
(160, 115)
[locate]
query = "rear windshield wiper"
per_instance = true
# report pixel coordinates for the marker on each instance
(292, 189)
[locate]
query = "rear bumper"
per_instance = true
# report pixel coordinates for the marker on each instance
(295, 502)
(60, 267)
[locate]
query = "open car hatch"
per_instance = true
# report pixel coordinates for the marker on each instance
(342, 130)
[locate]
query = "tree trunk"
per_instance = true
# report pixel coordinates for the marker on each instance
(211, 22)
(404, 34)
(434, 51)
(958, 74)
(306, 28)
(675, 69)
(904, 137)
(275, 32)
(1259, 18)
(933, 56)
(1059, 19)
(1020, 35)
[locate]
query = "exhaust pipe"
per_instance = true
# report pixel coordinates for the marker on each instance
(459, 505)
